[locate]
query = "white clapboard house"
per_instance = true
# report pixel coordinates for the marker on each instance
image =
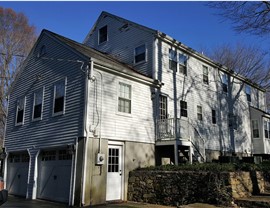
(81, 116)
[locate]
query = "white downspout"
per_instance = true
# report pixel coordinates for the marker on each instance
(88, 74)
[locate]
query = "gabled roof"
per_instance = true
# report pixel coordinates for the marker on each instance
(176, 43)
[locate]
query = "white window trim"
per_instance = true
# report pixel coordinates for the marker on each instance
(208, 73)
(24, 105)
(54, 91)
(131, 99)
(252, 128)
(134, 54)
(107, 39)
(199, 113)
(42, 104)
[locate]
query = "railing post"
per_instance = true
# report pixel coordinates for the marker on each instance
(176, 153)
(190, 154)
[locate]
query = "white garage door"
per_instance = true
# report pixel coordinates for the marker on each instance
(54, 175)
(17, 173)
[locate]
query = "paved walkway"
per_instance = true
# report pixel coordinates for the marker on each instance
(18, 202)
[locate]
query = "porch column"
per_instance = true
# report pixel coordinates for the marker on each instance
(176, 153)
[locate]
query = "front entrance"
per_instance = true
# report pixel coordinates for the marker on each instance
(114, 176)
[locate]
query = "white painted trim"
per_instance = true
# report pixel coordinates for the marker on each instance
(5, 171)
(42, 104)
(126, 82)
(73, 175)
(84, 169)
(34, 193)
(65, 94)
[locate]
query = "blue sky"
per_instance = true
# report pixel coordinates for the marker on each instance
(191, 23)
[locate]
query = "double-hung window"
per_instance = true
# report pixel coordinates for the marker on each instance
(172, 59)
(255, 129)
(59, 97)
(224, 80)
(183, 108)
(266, 130)
(20, 111)
(183, 64)
(38, 104)
(103, 34)
(248, 92)
(205, 75)
(199, 113)
(124, 98)
(163, 114)
(140, 54)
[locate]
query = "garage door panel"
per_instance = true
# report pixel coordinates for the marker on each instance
(54, 178)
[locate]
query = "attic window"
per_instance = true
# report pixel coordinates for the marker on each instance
(103, 34)
(140, 54)
(42, 51)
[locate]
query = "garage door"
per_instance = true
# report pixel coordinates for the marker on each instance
(17, 173)
(54, 175)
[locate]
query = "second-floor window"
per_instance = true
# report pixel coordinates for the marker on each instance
(59, 97)
(183, 64)
(199, 113)
(163, 114)
(124, 98)
(38, 101)
(248, 93)
(140, 54)
(172, 59)
(20, 111)
(224, 80)
(266, 130)
(103, 34)
(183, 108)
(255, 129)
(214, 117)
(205, 75)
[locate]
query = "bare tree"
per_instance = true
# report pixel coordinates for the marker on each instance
(247, 61)
(16, 40)
(252, 16)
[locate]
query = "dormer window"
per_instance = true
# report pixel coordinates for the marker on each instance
(103, 34)
(140, 54)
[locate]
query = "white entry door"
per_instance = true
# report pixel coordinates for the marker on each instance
(114, 175)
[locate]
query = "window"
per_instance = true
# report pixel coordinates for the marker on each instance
(266, 130)
(48, 155)
(124, 98)
(225, 83)
(199, 113)
(248, 93)
(20, 111)
(183, 64)
(255, 129)
(214, 117)
(103, 35)
(140, 54)
(163, 107)
(183, 108)
(172, 60)
(205, 75)
(59, 97)
(38, 100)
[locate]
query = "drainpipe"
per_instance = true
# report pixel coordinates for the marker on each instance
(89, 72)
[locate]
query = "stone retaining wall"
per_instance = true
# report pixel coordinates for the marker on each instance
(185, 187)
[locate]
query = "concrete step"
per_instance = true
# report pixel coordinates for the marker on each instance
(260, 201)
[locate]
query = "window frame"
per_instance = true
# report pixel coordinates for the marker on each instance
(99, 35)
(214, 116)
(248, 92)
(64, 97)
(183, 111)
(224, 81)
(161, 98)
(182, 65)
(172, 59)
(145, 54)
(199, 113)
(42, 104)
(119, 97)
(255, 129)
(17, 111)
(205, 75)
